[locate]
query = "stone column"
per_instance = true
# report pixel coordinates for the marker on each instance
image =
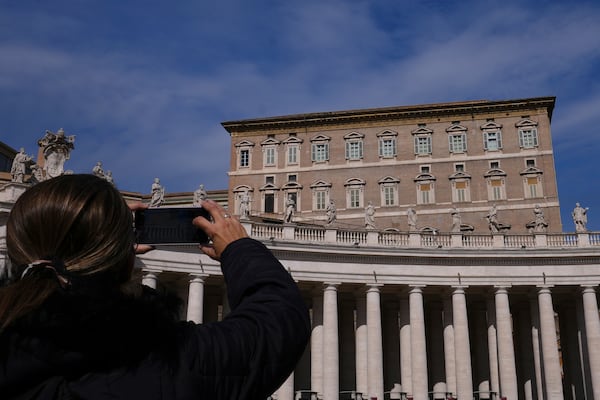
(316, 345)
(286, 390)
(506, 349)
(375, 343)
(331, 369)
(493, 347)
(536, 346)
(150, 279)
(592, 331)
(405, 346)
(449, 351)
(195, 310)
(464, 373)
(417, 340)
(362, 385)
(550, 357)
(436, 360)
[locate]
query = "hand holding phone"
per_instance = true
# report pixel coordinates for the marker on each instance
(169, 226)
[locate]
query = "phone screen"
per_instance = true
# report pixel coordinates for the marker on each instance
(169, 226)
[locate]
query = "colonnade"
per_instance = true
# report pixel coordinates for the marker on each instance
(432, 342)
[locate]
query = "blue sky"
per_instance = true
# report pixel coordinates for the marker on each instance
(144, 85)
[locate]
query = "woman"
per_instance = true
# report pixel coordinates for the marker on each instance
(73, 326)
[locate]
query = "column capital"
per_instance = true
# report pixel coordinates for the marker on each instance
(459, 288)
(331, 285)
(502, 288)
(198, 276)
(373, 286)
(544, 288)
(587, 288)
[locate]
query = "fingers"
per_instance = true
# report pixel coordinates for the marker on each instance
(222, 230)
(137, 206)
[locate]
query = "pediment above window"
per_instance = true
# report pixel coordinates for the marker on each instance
(354, 135)
(494, 172)
(270, 142)
(455, 128)
(320, 138)
(291, 185)
(387, 132)
(525, 123)
(424, 178)
(388, 179)
(244, 143)
(532, 171)
(269, 186)
(491, 126)
(242, 188)
(320, 184)
(354, 182)
(293, 140)
(422, 131)
(460, 175)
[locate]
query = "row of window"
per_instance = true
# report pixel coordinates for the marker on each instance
(389, 190)
(387, 144)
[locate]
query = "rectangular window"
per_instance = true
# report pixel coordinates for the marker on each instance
(528, 138)
(492, 141)
(269, 179)
(354, 150)
(354, 198)
(292, 178)
(422, 145)
(387, 147)
(270, 156)
(244, 158)
(388, 196)
(269, 202)
(497, 189)
(532, 183)
(457, 143)
(461, 191)
(320, 200)
(292, 156)
(320, 152)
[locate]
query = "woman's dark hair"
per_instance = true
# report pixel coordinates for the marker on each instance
(80, 223)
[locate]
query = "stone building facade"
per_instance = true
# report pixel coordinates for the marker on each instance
(432, 158)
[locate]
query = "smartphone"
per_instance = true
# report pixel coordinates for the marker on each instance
(164, 226)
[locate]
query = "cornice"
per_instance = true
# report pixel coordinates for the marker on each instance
(476, 107)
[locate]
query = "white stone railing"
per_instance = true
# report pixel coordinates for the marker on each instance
(330, 235)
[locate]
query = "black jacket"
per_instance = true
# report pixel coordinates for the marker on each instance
(125, 347)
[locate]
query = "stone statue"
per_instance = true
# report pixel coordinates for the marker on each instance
(244, 205)
(158, 194)
(411, 215)
(200, 195)
(331, 212)
(370, 216)
(456, 220)
(56, 148)
(19, 166)
(109, 178)
(492, 217)
(290, 208)
(97, 170)
(580, 218)
(540, 220)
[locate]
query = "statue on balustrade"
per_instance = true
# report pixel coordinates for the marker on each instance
(97, 170)
(411, 216)
(493, 223)
(244, 205)
(456, 220)
(370, 216)
(158, 194)
(19, 166)
(580, 218)
(331, 212)
(540, 221)
(290, 208)
(200, 195)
